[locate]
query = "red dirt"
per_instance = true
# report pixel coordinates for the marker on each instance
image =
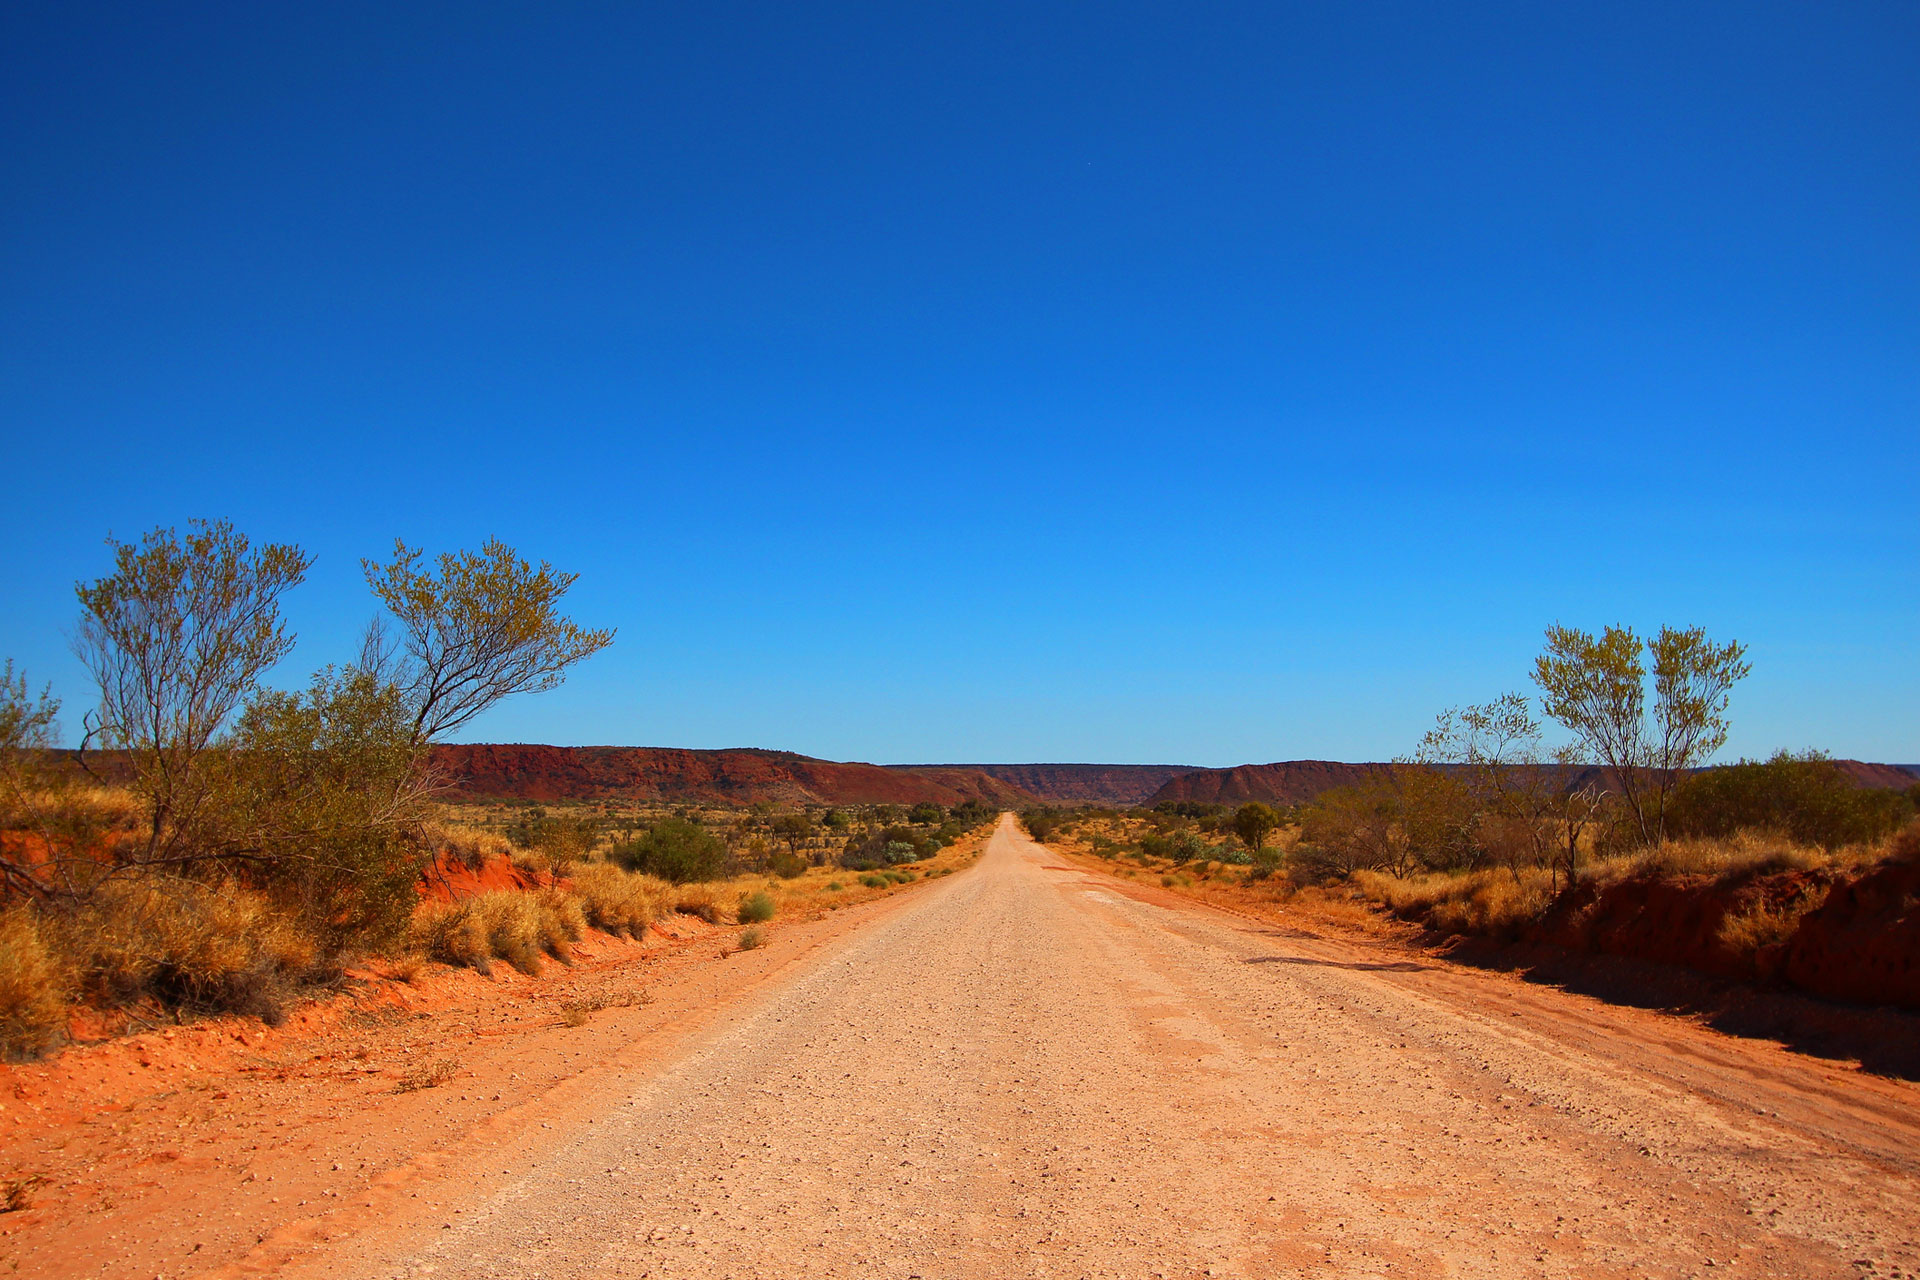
(449, 879)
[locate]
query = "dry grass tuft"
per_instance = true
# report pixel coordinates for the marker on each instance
(1764, 925)
(208, 946)
(702, 900)
(619, 901)
(1491, 903)
(17, 1193)
(33, 1007)
(506, 924)
(428, 1077)
(472, 847)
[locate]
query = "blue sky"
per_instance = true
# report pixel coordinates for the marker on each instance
(1172, 383)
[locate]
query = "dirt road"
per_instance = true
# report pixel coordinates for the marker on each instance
(1023, 1071)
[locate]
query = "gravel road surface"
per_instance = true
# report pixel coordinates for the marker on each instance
(1026, 1071)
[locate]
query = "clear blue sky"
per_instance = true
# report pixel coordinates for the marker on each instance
(1188, 383)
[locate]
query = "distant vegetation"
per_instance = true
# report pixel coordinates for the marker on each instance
(1483, 826)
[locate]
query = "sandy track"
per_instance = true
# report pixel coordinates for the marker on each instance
(1023, 1071)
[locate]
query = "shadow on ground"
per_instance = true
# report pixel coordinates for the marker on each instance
(1398, 966)
(1884, 1041)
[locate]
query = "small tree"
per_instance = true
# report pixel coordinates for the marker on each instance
(484, 626)
(1596, 688)
(795, 828)
(1253, 822)
(177, 637)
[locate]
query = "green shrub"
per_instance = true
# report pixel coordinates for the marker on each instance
(755, 908)
(749, 939)
(1805, 797)
(787, 865)
(875, 882)
(677, 850)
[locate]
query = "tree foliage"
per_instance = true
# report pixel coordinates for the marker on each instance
(1253, 822)
(479, 627)
(1596, 687)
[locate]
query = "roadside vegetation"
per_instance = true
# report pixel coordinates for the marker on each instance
(215, 844)
(1483, 829)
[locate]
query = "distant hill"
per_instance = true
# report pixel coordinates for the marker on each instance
(523, 771)
(1284, 782)
(1103, 784)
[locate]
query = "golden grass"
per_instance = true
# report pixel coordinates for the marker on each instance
(33, 1006)
(1494, 902)
(619, 901)
(506, 924)
(1764, 925)
(469, 845)
(216, 945)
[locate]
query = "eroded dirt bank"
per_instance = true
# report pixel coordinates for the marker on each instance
(1026, 1071)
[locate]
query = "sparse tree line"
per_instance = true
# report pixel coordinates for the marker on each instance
(1484, 790)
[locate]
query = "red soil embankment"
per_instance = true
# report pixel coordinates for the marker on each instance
(1857, 938)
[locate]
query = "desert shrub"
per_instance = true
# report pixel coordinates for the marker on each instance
(926, 814)
(618, 901)
(875, 882)
(787, 865)
(887, 847)
(676, 850)
(1807, 798)
(33, 1007)
(1043, 824)
(835, 885)
(1176, 846)
(1264, 862)
(560, 840)
(749, 939)
(755, 908)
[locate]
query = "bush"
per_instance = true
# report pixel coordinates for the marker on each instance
(755, 908)
(787, 865)
(926, 814)
(875, 882)
(1043, 824)
(561, 841)
(749, 939)
(1805, 797)
(676, 850)
(1179, 846)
